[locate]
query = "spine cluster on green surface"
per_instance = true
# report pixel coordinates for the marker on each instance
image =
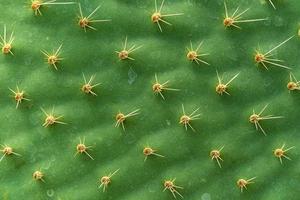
(195, 55)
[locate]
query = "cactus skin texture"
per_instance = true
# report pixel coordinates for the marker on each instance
(126, 85)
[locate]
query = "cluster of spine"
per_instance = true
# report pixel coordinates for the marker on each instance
(193, 55)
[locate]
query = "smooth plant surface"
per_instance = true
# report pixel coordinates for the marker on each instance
(64, 85)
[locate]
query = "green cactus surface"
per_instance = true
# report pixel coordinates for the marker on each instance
(88, 118)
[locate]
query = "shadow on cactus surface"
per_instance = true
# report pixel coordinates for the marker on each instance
(227, 152)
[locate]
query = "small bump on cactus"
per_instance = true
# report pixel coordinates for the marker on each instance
(216, 155)
(124, 53)
(148, 151)
(86, 22)
(256, 118)
(236, 18)
(51, 119)
(194, 55)
(36, 5)
(242, 183)
(106, 180)
(170, 185)
(7, 151)
(82, 148)
(186, 119)
(267, 58)
(159, 88)
(88, 86)
(6, 42)
(19, 96)
(53, 58)
(281, 153)
(158, 17)
(38, 176)
(120, 118)
(221, 87)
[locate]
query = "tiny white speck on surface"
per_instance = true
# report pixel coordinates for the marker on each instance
(131, 76)
(205, 196)
(33, 120)
(278, 21)
(130, 139)
(53, 158)
(50, 193)
(151, 190)
(48, 165)
(203, 180)
(263, 2)
(168, 122)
